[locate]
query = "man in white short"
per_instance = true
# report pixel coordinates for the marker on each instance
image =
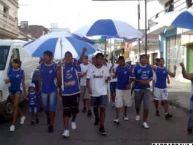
(123, 93)
(160, 90)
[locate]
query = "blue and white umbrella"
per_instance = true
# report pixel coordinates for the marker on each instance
(184, 20)
(109, 28)
(58, 43)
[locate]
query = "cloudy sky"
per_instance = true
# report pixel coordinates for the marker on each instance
(73, 14)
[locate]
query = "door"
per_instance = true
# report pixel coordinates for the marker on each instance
(190, 58)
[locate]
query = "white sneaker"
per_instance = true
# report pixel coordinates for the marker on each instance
(73, 125)
(145, 125)
(66, 133)
(22, 119)
(116, 120)
(137, 118)
(125, 118)
(12, 128)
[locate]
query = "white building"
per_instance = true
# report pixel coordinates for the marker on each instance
(8, 19)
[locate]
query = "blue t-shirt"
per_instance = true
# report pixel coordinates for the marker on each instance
(161, 76)
(48, 75)
(123, 76)
(33, 99)
(71, 79)
(15, 76)
(142, 73)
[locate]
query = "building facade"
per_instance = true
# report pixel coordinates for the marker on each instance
(8, 19)
(176, 44)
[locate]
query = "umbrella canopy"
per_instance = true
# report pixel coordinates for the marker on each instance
(58, 43)
(110, 29)
(184, 20)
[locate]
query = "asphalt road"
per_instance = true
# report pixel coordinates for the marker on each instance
(127, 133)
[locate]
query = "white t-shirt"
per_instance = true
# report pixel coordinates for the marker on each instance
(84, 68)
(98, 78)
(113, 71)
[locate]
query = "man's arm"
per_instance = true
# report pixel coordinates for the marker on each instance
(185, 74)
(174, 73)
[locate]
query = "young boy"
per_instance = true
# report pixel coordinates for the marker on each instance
(33, 101)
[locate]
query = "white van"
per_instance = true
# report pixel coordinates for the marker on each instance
(9, 50)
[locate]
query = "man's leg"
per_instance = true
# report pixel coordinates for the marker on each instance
(138, 100)
(146, 96)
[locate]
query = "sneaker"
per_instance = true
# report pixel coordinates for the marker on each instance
(50, 129)
(137, 118)
(12, 128)
(125, 118)
(84, 110)
(89, 113)
(37, 121)
(102, 131)
(73, 125)
(189, 130)
(157, 113)
(66, 133)
(22, 119)
(116, 121)
(145, 125)
(32, 122)
(96, 121)
(168, 116)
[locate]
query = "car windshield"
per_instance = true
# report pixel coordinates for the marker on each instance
(4, 51)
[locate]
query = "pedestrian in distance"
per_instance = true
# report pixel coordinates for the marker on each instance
(48, 72)
(189, 76)
(84, 95)
(33, 101)
(142, 75)
(16, 79)
(123, 89)
(160, 89)
(97, 79)
(69, 85)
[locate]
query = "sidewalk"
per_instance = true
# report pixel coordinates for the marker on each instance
(179, 94)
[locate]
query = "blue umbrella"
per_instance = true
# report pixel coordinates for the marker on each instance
(58, 43)
(110, 29)
(184, 20)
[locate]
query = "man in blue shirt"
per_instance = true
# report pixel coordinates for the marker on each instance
(142, 76)
(70, 91)
(48, 72)
(123, 94)
(160, 90)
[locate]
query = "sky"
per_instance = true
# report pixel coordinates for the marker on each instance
(74, 14)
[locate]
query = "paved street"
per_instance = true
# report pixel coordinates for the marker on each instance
(130, 132)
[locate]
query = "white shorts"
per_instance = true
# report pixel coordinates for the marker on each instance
(123, 98)
(160, 94)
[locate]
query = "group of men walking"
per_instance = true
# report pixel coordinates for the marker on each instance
(81, 80)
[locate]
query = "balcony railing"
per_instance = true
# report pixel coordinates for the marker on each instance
(8, 23)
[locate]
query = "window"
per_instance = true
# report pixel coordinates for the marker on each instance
(169, 6)
(189, 3)
(4, 52)
(5, 11)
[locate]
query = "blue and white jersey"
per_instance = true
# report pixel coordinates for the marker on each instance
(33, 99)
(15, 76)
(142, 73)
(123, 76)
(161, 77)
(48, 75)
(71, 82)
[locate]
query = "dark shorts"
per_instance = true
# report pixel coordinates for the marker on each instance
(70, 105)
(14, 93)
(33, 109)
(99, 101)
(113, 87)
